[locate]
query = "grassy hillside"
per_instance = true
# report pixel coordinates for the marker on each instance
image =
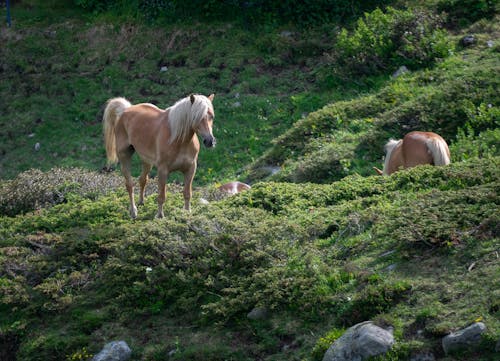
(55, 82)
(320, 258)
(457, 98)
(417, 251)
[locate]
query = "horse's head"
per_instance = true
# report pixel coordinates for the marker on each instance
(204, 127)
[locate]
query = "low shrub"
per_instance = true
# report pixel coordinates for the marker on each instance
(324, 343)
(374, 299)
(382, 41)
(444, 218)
(35, 189)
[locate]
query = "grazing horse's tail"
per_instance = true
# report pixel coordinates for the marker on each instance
(439, 150)
(389, 147)
(113, 111)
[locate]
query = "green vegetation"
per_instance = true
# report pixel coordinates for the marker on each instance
(321, 244)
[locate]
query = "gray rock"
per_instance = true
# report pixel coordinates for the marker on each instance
(426, 356)
(490, 43)
(464, 338)
(236, 104)
(114, 351)
(360, 342)
(391, 267)
(402, 70)
(203, 201)
(258, 313)
(37, 147)
(286, 34)
(468, 40)
(163, 69)
(271, 170)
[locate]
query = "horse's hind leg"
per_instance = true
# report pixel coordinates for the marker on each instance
(126, 162)
(162, 180)
(143, 179)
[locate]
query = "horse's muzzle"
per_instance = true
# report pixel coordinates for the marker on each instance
(209, 142)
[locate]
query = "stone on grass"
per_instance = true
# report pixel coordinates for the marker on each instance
(463, 339)
(258, 313)
(468, 40)
(402, 70)
(425, 356)
(360, 342)
(114, 351)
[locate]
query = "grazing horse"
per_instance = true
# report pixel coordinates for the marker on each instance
(414, 149)
(162, 138)
(234, 187)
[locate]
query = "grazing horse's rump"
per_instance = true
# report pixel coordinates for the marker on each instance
(162, 138)
(416, 148)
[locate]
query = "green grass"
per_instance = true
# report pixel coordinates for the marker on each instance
(56, 81)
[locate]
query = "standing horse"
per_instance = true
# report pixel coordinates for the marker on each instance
(162, 138)
(414, 149)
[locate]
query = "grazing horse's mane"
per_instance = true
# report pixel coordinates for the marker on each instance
(185, 115)
(389, 147)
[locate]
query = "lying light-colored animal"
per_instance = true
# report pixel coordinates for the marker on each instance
(234, 187)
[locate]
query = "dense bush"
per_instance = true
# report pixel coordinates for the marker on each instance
(464, 12)
(383, 41)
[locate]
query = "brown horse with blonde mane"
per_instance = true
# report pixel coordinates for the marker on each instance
(416, 148)
(162, 138)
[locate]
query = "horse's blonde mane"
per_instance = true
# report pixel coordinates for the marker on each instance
(389, 147)
(185, 116)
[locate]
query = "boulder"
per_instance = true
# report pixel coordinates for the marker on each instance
(360, 342)
(425, 356)
(468, 40)
(402, 70)
(114, 351)
(258, 313)
(464, 338)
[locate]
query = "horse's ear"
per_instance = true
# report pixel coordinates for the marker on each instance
(211, 97)
(379, 172)
(191, 97)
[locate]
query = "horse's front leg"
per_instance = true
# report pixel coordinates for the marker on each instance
(162, 180)
(188, 183)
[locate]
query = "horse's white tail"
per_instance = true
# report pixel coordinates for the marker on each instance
(389, 147)
(113, 111)
(439, 150)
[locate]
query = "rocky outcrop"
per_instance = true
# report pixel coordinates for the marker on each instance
(114, 351)
(360, 342)
(465, 338)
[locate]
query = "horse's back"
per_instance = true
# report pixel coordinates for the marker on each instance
(143, 120)
(141, 126)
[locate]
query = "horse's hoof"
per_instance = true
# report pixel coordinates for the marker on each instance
(133, 213)
(159, 215)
